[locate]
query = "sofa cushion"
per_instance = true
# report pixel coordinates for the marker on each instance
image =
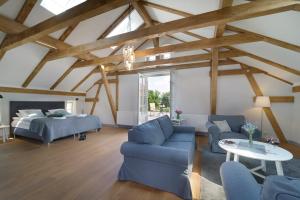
(182, 137)
(232, 135)
(223, 126)
(147, 133)
(235, 121)
(166, 125)
(187, 146)
(281, 188)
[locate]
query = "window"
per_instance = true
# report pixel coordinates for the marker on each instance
(71, 106)
(136, 21)
(59, 6)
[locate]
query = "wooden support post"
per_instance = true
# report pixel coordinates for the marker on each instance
(267, 111)
(296, 89)
(95, 99)
(214, 81)
(109, 96)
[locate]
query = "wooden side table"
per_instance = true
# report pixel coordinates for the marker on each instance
(4, 130)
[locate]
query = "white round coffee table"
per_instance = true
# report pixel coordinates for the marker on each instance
(259, 150)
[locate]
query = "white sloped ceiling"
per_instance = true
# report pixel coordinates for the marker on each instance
(17, 64)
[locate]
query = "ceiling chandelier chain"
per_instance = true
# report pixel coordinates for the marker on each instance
(128, 50)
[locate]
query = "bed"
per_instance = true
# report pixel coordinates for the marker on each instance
(48, 129)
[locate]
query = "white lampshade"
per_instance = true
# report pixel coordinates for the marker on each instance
(262, 101)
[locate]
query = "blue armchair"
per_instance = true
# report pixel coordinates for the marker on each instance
(235, 122)
(238, 183)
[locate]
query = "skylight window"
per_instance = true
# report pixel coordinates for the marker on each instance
(59, 6)
(136, 21)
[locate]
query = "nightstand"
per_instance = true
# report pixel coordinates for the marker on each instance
(4, 130)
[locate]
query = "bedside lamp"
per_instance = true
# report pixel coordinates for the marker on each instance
(262, 102)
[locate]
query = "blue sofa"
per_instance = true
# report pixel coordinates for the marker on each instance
(235, 122)
(238, 183)
(160, 155)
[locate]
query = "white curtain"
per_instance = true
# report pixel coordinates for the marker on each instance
(143, 99)
(172, 93)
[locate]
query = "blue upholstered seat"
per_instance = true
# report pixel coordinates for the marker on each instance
(160, 156)
(182, 137)
(239, 183)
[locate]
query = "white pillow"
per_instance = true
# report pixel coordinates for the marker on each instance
(223, 126)
(31, 112)
(16, 118)
(56, 110)
(18, 114)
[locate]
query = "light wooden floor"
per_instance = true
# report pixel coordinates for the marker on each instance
(72, 169)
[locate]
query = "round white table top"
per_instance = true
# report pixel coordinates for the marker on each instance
(272, 152)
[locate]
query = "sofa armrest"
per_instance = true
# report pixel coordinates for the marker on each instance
(156, 153)
(238, 182)
(213, 130)
(184, 129)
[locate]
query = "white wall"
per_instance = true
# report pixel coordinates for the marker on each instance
(192, 96)
(33, 97)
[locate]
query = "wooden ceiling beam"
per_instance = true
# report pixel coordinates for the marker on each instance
(44, 60)
(232, 72)
(270, 40)
(116, 23)
(12, 27)
(108, 93)
(168, 67)
(214, 80)
(2, 2)
(84, 79)
(280, 99)
(74, 15)
(103, 35)
(219, 30)
(21, 17)
(96, 97)
(38, 91)
(265, 72)
(188, 46)
(268, 111)
(225, 15)
(63, 76)
(296, 88)
(269, 62)
(297, 7)
(91, 99)
(182, 59)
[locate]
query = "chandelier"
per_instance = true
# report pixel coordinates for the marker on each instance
(128, 50)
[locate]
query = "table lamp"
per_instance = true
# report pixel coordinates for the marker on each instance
(262, 102)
